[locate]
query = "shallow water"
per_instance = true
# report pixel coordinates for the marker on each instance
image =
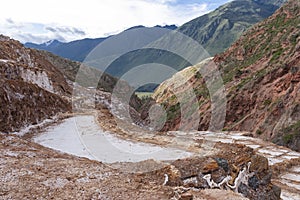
(81, 136)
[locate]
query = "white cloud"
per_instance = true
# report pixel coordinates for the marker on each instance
(95, 18)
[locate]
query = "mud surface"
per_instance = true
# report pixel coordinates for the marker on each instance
(31, 171)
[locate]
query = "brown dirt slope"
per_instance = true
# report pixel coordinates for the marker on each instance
(32, 89)
(30, 171)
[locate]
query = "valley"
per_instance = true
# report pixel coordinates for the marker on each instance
(209, 110)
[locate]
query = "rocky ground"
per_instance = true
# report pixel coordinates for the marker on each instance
(234, 163)
(284, 163)
(30, 171)
(256, 168)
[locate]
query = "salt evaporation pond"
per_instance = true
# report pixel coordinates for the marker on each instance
(81, 136)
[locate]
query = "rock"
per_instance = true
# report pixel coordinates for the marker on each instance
(217, 194)
(260, 167)
(191, 182)
(241, 160)
(234, 171)
(199, 181)
(259, 164)
(269, 193)
(245, 190)
(222, 163)
(276, 191)
(202, 182)
(253, 182)
(174, 176)
(266, 179)
(210, 166)
(186, 196)
(218, 175)
(261, 193)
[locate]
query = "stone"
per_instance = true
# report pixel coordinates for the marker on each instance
(245, 190)
(202, 182)
(276, 191)
(174, 176)
(210, 166)
(259, 164)
(186, 196)
(253, 182)
(223, 163)
(266, 179)
(191, 182)
(218, 175)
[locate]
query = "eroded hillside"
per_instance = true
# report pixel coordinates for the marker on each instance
(32, 89)
(261, 76)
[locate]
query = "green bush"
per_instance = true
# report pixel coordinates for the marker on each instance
(288, 138)
(291, 132)
(259, 132)
(267, 102)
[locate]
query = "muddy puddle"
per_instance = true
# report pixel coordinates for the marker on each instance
(81, 136)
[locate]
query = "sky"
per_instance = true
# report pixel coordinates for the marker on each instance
(67, 20)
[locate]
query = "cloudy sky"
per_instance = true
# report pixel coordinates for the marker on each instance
(66, 20)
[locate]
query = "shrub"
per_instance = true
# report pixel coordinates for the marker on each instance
(259, 132)
(288, 138)
(267, 102)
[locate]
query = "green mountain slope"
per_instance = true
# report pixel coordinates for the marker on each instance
(217, 30)
(88, 75)
(77, 50)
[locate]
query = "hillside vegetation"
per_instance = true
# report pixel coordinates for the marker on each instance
(261, 76)
(217, 30)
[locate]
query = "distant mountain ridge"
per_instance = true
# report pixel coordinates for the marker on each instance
(75, 50)
(78, 50)
(215, 31)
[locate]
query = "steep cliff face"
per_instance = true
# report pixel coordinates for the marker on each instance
(261, 73)
(32, 89)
